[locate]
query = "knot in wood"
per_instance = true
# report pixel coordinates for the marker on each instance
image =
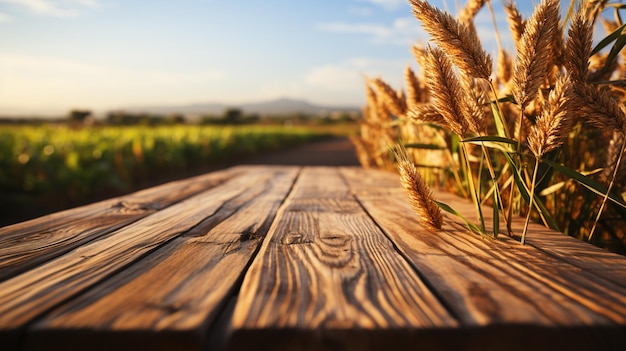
(295, 238)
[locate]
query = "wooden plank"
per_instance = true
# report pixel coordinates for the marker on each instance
(32, 293)
(602, 263)
(499, 282)
(28, 244)
(168, 300)
(326, 273)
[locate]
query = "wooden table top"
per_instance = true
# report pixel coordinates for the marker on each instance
(296, 258)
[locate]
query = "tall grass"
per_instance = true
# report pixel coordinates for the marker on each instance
(540, 134)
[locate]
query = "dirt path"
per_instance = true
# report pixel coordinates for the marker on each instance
(333, 152)
(328, 152)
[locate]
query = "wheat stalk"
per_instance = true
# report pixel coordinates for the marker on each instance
(473, 101)
(535, 52)
(466, 16)
(388, 97)
(554, 123)
(504, 69)
(599, 107)
(578, 49)
(420, 54)
(608, 191)
(363, 152)
(371, 103)
(611, 159)
(426, 113)
(445, 90)
(516, 22)
(420, 196)
(457, 40)
(413, 89)
(547, 134)
(592, 9)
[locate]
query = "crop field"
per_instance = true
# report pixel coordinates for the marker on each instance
(56, 166)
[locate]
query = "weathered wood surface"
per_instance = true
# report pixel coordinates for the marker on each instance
(296, 258)
(508, 291)
(177, 291)
(326, 266)
(25, 245)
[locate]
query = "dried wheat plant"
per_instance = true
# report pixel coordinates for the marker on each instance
(516, 136)
(420, 196)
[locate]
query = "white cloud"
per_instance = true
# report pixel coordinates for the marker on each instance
(4, 17)
(352, 72)
(376, 30)
(345, 80)
(360, 11)
(402, 31)
(333, 77)
(406, 31)
(338, 83)
(56, 8)
(57, 84)
(387, 4)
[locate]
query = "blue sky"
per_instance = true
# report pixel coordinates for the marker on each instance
(107, 54)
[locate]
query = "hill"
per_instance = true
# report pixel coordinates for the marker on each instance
(273, 107)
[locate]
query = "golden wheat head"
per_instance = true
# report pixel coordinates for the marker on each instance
(455, 39)
(516, 22)
(445, 90)
(554, 123)
(535, 52)
(420, 196)
(578, 49)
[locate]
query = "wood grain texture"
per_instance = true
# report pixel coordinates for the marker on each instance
(26, 245)
(326, 272)
(499, 285)
(601, 263)
(315, 258)
(36, 291)
(168, 299)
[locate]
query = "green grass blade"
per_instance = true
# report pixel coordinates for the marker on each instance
(494, 142)
(609, 39)
(525, 193)
(469, 225)
(474, 193)
(615, 50)
(552, 188)
(556, 186)
(587, 182)
(498, 120)
(425, 146)
(420, 165)
(496, 215)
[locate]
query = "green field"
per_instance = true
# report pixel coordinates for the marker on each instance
(56, 166)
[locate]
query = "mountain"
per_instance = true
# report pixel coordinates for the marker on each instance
(273, 107)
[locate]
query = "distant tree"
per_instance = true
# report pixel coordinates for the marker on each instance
(233, 116)
(174, 119)
(79, 116)
(208, 119)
